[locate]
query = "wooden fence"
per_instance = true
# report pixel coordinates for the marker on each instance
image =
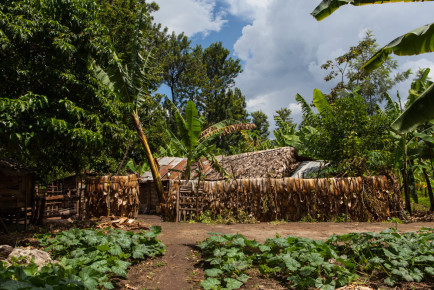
(358, 198)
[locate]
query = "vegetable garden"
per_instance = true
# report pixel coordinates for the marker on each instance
(117, 259)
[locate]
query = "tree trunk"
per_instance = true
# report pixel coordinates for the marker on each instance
(152, 164)
(430, 193)
(405, 176)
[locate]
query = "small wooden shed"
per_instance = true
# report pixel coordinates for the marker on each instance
(17, 189)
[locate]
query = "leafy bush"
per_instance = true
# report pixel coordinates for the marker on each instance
(51, 276)
(388, 256)
(97, 255)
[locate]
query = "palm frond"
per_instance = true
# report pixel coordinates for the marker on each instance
(224, 128)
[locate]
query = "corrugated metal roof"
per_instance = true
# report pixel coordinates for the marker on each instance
(309, 167)
(168, 167)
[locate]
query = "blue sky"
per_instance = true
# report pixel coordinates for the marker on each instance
(282, 46)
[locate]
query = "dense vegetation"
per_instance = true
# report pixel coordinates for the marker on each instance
(87, 259)
(303, 263)
(80, 79)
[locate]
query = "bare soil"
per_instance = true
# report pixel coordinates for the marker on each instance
(180, 268)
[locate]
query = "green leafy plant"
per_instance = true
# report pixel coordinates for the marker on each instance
(304, 263)
(194, 142)
(51, 276)
(97, 255)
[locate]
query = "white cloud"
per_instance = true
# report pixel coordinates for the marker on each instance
(190, 16)
(284, 46)
(247, 9)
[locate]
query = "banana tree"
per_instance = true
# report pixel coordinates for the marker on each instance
(129, 84)
(417, 41)
(197, 143)
(407, 144)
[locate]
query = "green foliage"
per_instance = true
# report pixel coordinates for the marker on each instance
(197, 143)
(226, 217)
(372, 85)
(418, 113)
(306, 263)
(54, 115)
(417, 41)
(285, 134)
(285, 115)
(260, 119)
(137, 168)
(347, 135)
(51, 276)
(97, 255)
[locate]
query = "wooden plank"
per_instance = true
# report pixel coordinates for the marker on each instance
(10, 192)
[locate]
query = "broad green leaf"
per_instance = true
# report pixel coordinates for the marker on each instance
(213, 272)
(87, 276)
(327, 7)
(320, 101)
(417, 41)
(389, 281)
(243, 278)
(306, 270)
(291, 263)
(416, 274)
(156, 230)
(429, 270)
(210, 283)
(193, 124)
(419, 112)
(232, 283)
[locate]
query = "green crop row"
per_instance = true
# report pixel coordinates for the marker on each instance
(387, 256)
(87, 258)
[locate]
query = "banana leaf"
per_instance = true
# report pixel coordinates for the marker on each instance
(193, 124)
(306, 109)
(327, 7)
(417, 41)
(320, 101)
(419, 112)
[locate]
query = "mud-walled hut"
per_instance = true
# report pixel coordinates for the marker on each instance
(273, 184)
(17, 189)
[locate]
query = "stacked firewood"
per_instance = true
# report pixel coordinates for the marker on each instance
(112, 195)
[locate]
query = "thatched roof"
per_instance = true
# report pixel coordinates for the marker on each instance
(274, 163)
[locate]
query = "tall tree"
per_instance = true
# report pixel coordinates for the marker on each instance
(260, 119)
(373, 85)
(183, 70)
(221, 70)
(119, 17)
(54, 116)
(284, 115)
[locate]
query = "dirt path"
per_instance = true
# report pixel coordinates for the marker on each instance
(179, 268)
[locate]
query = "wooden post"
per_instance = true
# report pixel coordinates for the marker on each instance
(177, 205)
